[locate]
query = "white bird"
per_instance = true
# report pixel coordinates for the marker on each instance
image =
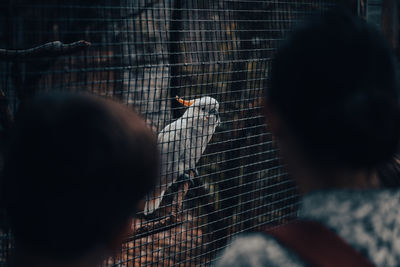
(182, 143)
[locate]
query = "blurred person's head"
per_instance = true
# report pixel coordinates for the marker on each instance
(333, 102)
(75, 169)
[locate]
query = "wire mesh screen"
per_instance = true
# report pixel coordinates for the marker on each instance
(223, 175)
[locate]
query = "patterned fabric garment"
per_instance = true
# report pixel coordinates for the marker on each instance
(368, 220)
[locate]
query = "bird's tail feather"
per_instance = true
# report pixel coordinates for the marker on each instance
(153, 204)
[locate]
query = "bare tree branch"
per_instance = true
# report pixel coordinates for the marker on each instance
(52, 49)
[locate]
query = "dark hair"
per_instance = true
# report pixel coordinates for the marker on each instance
(334, 83)
(75, 169)
(389, 173)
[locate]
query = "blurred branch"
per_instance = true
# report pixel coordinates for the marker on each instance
(24, 84)
(52, 49)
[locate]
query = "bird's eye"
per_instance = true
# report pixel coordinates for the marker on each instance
(203, 108)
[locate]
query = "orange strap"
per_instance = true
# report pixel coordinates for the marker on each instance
(318, 246)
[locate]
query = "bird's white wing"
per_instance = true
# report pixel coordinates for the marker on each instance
(182, 144)
(200, 137)
(169, 141)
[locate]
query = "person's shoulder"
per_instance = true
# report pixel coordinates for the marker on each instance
(257, 249)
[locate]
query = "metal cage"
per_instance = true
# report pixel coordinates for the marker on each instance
(145, 53)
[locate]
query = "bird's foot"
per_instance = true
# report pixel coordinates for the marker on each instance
(195, 171)
(188, 177)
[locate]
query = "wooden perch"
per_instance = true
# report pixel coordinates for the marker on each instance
(152, 228)
(52, 49)
(173, 220)
(218, 229)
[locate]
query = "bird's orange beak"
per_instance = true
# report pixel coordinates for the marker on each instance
(186, 103)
